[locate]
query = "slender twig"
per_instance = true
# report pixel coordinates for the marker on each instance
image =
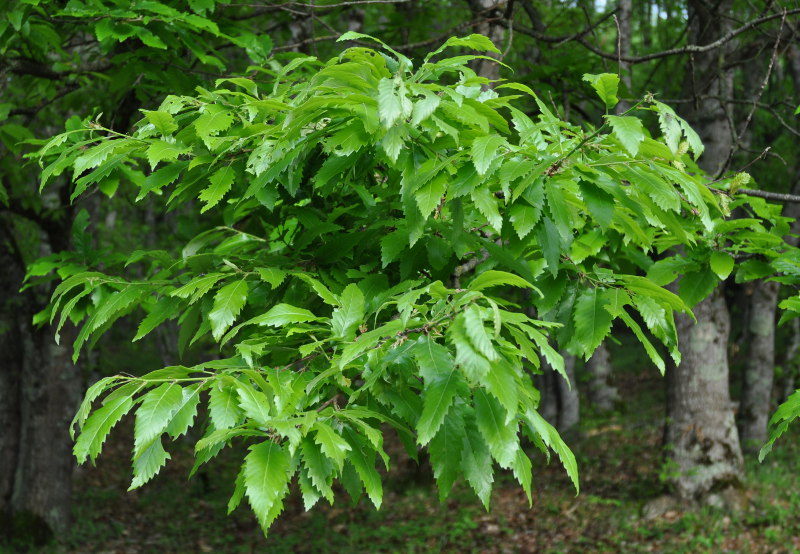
(776, 196)
(689, 48)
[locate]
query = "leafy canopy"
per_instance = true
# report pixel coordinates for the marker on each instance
(387, 249)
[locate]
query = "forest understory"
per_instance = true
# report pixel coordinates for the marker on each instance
(622, 471)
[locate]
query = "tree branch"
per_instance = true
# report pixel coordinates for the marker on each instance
(776, 196)
(690, 48)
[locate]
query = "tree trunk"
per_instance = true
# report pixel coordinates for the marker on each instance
(786, 385)
(559, 402)
(569, 413)
(701, 434)
(40, 389)
(760, 367)
(49, 394)
(624, 15)
(702, 440)
(488, 9)
(548, 394)
(10, 372)
(602, 394)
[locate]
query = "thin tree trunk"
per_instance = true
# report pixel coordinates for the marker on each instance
(786, 385)
(548, 394)
(624, 15)
(702, 440)
(569, 413)
(760, 367)
(602, 394)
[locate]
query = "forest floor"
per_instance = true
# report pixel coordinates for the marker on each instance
(620, 466)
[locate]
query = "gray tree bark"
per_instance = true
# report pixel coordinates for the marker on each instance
(702, 440)
(559, 403)
(602, 394)
(759, 369)
(569, 406)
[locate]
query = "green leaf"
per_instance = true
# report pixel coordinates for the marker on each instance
(606, 86)
(162, 121)
(697, 285)
(331, 443)
(160, 151)
(363, 459)
(648, 346)
(283, 314)
(111, 308)
(223, 406)
(322, 291)
(96, 155)
(473, 42)
(437, 397)
(553, 440)
(98, 425)
(166, 308)
(524, 218)
(320, 468)
(213, 120)
(390, 106)
(393, 142)
(445, 452)
(272, 275)
(476, 462)
(500, 436)
(779, 422)
(493, 278)
(92, 394)
(184, 416)
(424, 108)
(487, 205)
(160, 178)
(238, 491)
(521, 466)
(267, 470)
(472, 362)
(148, 463)
(628, 130)
(255, 403)
(228, 303)
(501, 383)
(433, 359)
(221, 181)
(346, 318)
(430, 194)
(473, 325)
(155, 413)
(484, 151)
(600, 203)
(721, 264)
(592, 320)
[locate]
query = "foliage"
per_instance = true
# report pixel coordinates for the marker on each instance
(385, 247)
